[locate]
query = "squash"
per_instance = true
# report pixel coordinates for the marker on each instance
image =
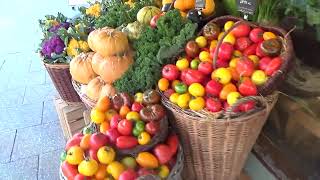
(209, 8)
(184, 5)
(133, 30)
(108, 41)
(111, 68)
(145, 14)
(166, 2)
(81, 68)
(98, 88)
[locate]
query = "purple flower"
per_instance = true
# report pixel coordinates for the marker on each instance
(52, 45)
(55, 28)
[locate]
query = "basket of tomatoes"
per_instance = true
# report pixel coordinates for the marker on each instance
(221, 91)
(87, 159)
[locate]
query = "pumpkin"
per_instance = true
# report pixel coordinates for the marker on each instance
(209, 8)
(133, 30)
(145, 14)
(98, 88)
(183, 5)
(108, 41)
(111, 68)
(81, 68)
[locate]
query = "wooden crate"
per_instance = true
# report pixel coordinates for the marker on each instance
(70, 116)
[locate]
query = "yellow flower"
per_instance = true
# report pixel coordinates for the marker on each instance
(84, 46)
(73, 48)
(130, 3)
(94, 10)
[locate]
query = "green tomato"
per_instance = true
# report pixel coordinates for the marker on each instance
(139, 126)
(181, 88)
(195, 63)
(129, 162)
(63, 156)
(136, 132)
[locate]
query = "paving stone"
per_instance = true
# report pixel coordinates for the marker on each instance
(22, 169)
(6, 145)
(26, 79)
(39, 93)
(49, 113)
(49, 165)
(38, 140)
(12, 97)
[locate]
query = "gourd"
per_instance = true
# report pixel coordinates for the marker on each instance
(146, 13)
(81, 68)
(184, 5)
(209, 8)
(133, 30)
(108, 41)
(111, 68)
(98, 88)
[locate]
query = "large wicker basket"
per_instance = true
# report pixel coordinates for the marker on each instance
(61, 78)
(89, 103)
(216, 145)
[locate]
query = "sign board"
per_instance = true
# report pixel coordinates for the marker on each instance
(247, 6)
(200, 4)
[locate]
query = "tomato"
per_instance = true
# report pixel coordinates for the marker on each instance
(269, 35)
(226, 90)
(88, 167)
(242, 43)
(164, 171)
(113, 134)
(104, 127)
(247, 106)
(182, 64)
(181, 88)
(213, 88)
(228, 25)
(273, 66)
(245, 67)
(163, 153)
(213, 105)
(222, 75)
(196, 89)
(128, 174)
(235, 75)
(74, 155)
(124, 110)
(97, 116)
(140, 125)
(259, 51)
(138, 97)
(103, 104)
(194, 76)
(255, 59)
(204, 56)
(233, 62)
(233, 97)
(125, 127)
(106, 155)
(259, 77)
(114, 121)
(168, 93)
(68, 170)
(147, 160)
(170, 72)
(74, 141)
(229, 39)
(192, 49)
(205, 67)
(201, 41)
(126, 142)
(174, 98)
(110, 113)
(211, 31)
(220, 63)
(84, 144)
(247, 88)
(144, 138)
(263, 63)
(129, 162)
(236, 54)
(183, 100)
(152, 113)
(271, 47)
(81, 177)
(225, 51)
(251, 50)
(256, 35)
(93, 154)
(197, 104)
(173, 143)
(133, 116)
(241, 30)
(115, 169)
(153, 22)
(98, 140)
(213, 45)
(101, 172)
(151, 97)
(152, 127)
(194, 64)
(163, 84)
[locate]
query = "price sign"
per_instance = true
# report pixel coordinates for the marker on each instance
(200, 4)
(247, 6)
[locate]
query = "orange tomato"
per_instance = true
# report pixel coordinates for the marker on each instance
(235, 75)
(104, 127)
(173, 84)
(147, 160)
(97, 116)
(101, 173)
(110, 113)
(84, 143)
(124, 110)
(163, 84)
(226, 90)
(103, 104)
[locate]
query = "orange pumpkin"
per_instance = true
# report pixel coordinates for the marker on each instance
(108, 41)
(98, 88)
(81, 68)
(111, 68)
(183, 5)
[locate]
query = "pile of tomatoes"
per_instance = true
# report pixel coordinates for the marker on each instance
(246, 59)
(92, 156)
(128, 121)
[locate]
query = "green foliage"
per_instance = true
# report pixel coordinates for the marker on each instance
(267, 12)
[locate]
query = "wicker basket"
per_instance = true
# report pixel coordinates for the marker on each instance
(61, 79)
(89, 103)
(287, 53)
(216, 145)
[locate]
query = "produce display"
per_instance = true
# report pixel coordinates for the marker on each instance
(245, 60)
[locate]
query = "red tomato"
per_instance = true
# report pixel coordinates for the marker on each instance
(225, 51)
(152, 127)
(98, 140)
(114, 121)
(273, 66)
(213, 105)
(213, 87)
(93, 154)
(74, 141)
(170, 72)
(163, 153)
(256, 35)
(126, 142)
(125, 127)
(183, 75)
(113, 134)
(136, 106)
(173, 143)
(194, 76)
(128, 174)
(248, 88)
(81, 177)
(263, 63)
(68, 170)
(244, 107)
(245, 66)
(251, 50)
(241, 31)
(242, 43)
(221, 63)
(205, 67)
(259, 51)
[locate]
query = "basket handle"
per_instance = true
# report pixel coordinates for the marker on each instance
(215, 55)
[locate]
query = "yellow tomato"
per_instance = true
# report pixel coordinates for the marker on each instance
(233, 62)
(229, 39)
(183, 100)
(255, 59)
(268, 35)
(233, 97)
(115, 169)
(196, 89)
(75, 155)
(84, 143)
(174, 82)
(138, 97)
(164, 171)
(228, 25)
(182, 64)
(236, 53)
(201, 41)
(197, 104)
(174, 98)
(110, 113)
(205, 56)
(213, 44)
(222, 75)
(133, 116)
(147, 160)
(101, 172)
(97, 116)
(144, 138)
(88, 167)
(163, 84)
(259, 77)
(220, 35)
(106, 155)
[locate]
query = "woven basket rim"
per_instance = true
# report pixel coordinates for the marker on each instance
(85, 99)
(57, 66)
